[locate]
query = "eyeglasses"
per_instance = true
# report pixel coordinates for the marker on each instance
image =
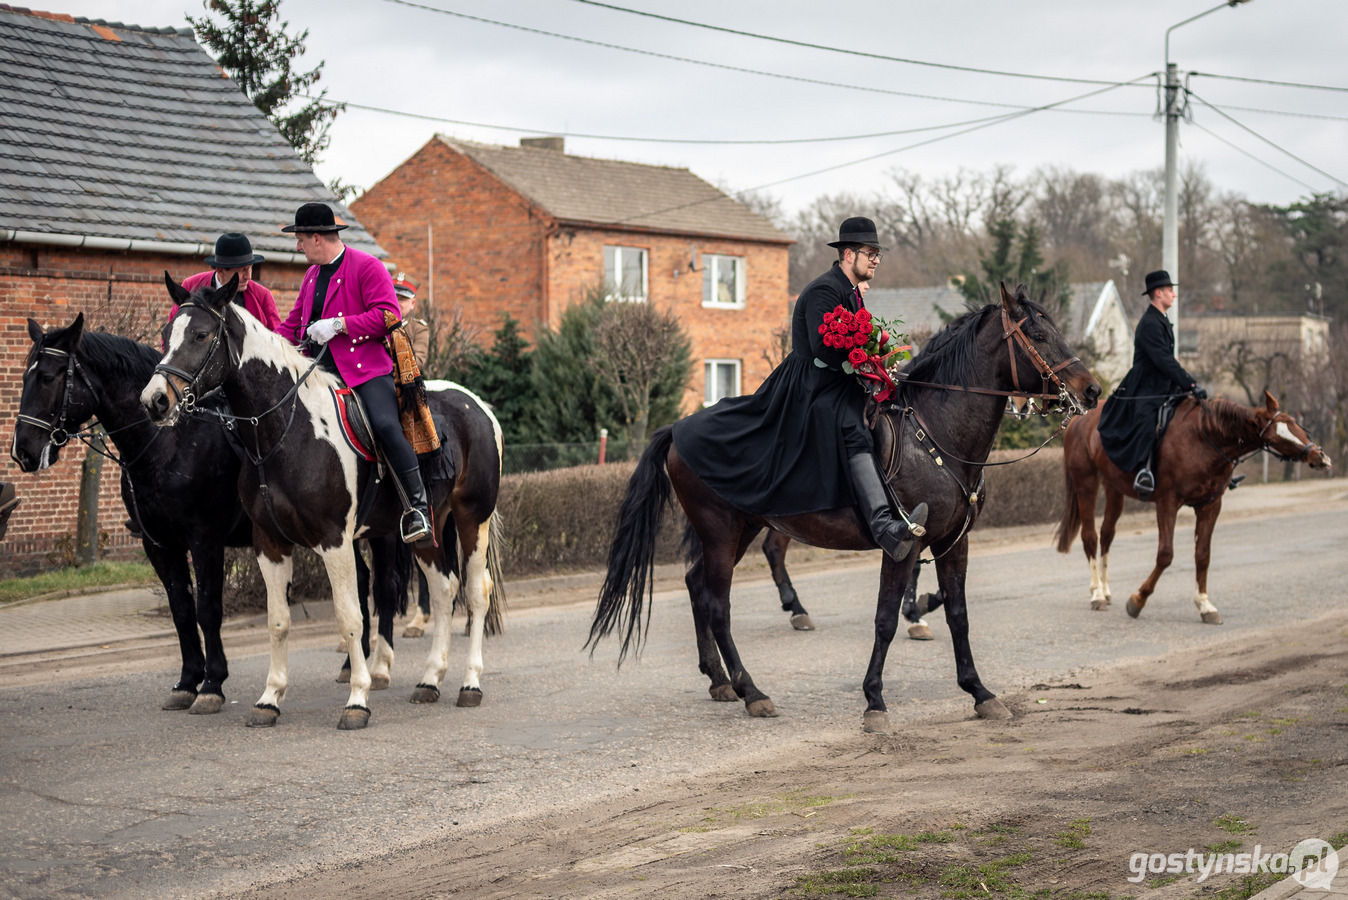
(873, 255)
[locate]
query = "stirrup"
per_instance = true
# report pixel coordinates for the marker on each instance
(414, 526)
(1144, 483)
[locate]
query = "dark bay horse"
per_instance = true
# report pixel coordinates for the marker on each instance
(179, 486)
(303, 484)
(1194, 461)
(952, 412)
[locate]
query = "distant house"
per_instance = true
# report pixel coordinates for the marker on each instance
(124, 152)
(1267, 348)
(1095, 322)
(530, 230)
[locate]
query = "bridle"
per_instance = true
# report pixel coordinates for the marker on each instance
(57, 434)
(187, 397)
(1264, 443)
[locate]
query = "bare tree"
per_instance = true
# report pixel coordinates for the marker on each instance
(454, 344)
(634, 345)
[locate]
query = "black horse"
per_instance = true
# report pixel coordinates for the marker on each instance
(303, 484)
(934, 442)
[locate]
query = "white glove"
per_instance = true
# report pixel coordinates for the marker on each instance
(325, 330)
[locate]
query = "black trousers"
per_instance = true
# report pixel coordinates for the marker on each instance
(381, 405)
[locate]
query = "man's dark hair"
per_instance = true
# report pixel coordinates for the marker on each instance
(845, 247)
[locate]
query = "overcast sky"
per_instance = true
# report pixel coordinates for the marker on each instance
(396, 55)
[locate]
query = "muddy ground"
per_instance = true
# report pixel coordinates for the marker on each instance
(1216, 750)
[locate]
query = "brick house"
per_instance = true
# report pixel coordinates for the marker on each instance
(124, 152)
(529, 230)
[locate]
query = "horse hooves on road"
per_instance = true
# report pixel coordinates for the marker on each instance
(918, 631)
(1133, 607)
(761, 709)
(262, 717)
(802, 622)
(469, 697)
(1099, 605)
(992, 709)
(206, 705)
(412, 631)
(379, 682)
(875, 721)
(722, 692)
(354, 718)
(425, 693)
(179, 700)
(344, 676)
(1212, 618)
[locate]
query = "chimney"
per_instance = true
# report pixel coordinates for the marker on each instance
(545, 143)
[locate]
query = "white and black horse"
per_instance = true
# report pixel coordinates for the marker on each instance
(303, 483)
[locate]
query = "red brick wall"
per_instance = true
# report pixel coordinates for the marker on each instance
(121, 292)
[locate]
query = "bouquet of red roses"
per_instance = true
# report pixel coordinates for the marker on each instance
(871, 343)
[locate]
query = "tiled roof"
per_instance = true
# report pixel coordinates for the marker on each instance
(629, 195)
(122, 132)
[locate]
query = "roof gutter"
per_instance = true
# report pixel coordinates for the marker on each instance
(132, 245)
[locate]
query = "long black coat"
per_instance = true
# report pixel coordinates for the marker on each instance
(1128, 420)
(783, 449)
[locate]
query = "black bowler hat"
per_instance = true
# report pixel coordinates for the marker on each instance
(314, 217)
(1158, 279)
(857, 230)
(232, 251)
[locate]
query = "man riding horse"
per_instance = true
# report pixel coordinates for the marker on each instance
(1128, 422)
(800, 443)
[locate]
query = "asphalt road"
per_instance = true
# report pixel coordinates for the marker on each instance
(104, 795)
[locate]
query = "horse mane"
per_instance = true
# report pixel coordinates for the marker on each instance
(281, 352)
(1232, 418)
(120, 357)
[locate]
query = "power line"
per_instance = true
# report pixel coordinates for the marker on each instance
(1244, 152)
(1312, 87)
(842, 50)
(1280, 149)
(1283, 112)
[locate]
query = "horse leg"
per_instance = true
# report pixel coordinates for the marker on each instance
(443, 579)
(894, 578)
(1086, 490)
(386, 587)
(209, 563)
(1166, 510)
(340, 562)
(363, 592)
(708, 657)
(276, 575)
(1207, 520)
(171, 567)
(1108, 528)
(774, 549)
(914, 608)
(718, 567)
(951, 570)
(421, 619)
(476, 585)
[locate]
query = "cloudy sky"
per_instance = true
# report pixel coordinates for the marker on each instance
(595, 74)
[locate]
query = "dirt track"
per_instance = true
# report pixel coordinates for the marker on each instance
(1222, 748)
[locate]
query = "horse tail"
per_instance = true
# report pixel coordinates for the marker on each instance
(496, 597)
(631, 556)
(1071, 515)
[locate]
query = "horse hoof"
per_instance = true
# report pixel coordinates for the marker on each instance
(918, 632)
(262, 717)
(344, 676)
(179, 700)
(341, 646)
(761, 709)
(722, 692)
(992, 709)
(414, 631)
(1099, 605)
(379, 682)
(206, 705)
(1133, 608)
(469, 697)
(354, 718)
(802, 622)
(1212, 618)
(875, 721)
(425, 693)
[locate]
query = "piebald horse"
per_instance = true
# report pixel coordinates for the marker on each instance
(302, 484)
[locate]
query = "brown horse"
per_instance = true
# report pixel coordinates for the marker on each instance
(1194, 462)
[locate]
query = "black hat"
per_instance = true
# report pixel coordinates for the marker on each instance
(1158, 279)
(314, 217)
(232, 251)
(857, 230)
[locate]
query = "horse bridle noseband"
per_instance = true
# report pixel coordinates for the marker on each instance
(187, 396)
(58, 425)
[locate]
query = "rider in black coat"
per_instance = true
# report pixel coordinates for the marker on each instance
(800, 443)
(1128, 421)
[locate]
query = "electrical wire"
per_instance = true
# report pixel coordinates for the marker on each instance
(1280, 149)
(1244, 152)
(1293, 84)
(1282, 112)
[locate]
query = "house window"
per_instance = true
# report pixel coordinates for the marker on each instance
(723, 281)
(625, 273)
(722, 379)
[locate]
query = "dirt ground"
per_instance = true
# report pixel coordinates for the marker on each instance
(1219, 750)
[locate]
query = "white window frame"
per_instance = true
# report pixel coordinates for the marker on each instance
(711, 383)
(613, 289)
(712, 264)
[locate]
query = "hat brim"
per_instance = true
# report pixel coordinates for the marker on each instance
(866, 240)
(291, 229)
(1161, 285)
(234, 262)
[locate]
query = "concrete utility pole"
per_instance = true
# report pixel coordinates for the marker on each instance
(1174, 108)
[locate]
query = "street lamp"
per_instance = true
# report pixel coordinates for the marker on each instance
(1173, 111)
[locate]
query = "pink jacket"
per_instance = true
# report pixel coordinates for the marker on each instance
(360, 291)
(256, 299)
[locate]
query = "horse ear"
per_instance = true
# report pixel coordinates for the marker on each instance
(34, 330)
(68, 338)
(225, 293)
(176, 290)
(1011, 303)
(1270, 403)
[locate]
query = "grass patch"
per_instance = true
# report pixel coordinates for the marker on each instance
(1339, 841)
(103, 574)
(764, 808)
(1074, 838)
(1233, 824)
(1224, 846)
(1248, 886)
(966, 881)
(1198, 751)
(851, 882)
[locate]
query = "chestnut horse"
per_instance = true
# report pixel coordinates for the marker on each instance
(1194, 462)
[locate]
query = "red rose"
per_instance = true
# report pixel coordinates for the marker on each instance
(857, 356)
(823, 329)
(829, 317)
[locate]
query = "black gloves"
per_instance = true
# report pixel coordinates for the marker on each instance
(1199, 393)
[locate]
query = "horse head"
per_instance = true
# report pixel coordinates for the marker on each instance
(1283, 436)
(197, 356)
(55, 397)
(1037, 348)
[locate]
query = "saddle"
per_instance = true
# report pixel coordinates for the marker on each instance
(437, 465)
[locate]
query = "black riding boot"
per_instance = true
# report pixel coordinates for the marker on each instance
(416, 521)
(893, 535)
